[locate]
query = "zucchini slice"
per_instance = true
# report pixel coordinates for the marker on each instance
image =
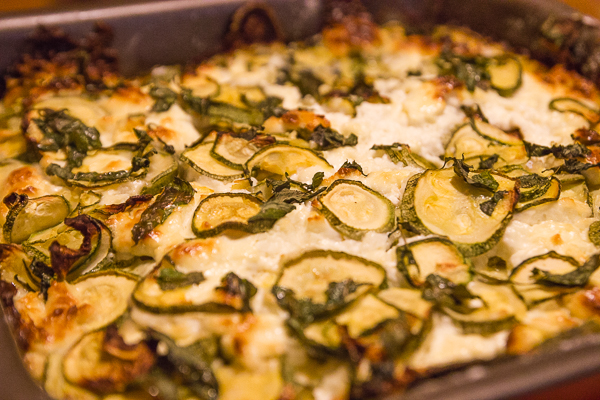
(568, 104)
(168, 291)
(408, 300)
(437, 256)
(222, 211)
(361, 318)
(505, 75)
(353, 209)
(328, 280)
(399, 152)
(27, 216)
(279, 159)
(101, 362)
(552, 193)
(523, 277)
(38, 246)
(477, 138)
(200, 159)
(501, 310)
(235, 151)
(441, 203)
(105, 167)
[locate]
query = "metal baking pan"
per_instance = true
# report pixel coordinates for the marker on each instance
(177, 31)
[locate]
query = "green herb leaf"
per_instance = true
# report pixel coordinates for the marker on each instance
(171, 279)
(270, 212)
(577, 278)
(573, 166)
(175, 194)
(489, 206)
(532, 180)
(488, 162)
(164, 98)
(483, 180)
(238, 292)
(327, 138)
(317, 179)
(353, 165)
(444, 293)
(471, 70)
(474, 111)
(45, 274)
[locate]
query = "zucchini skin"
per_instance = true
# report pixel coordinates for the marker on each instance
(228, 225)
(349, 231)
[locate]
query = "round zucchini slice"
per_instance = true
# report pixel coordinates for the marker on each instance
(441, 203)
(234, 151)
(200, 159)
(222, 211)
(552, 193)
(408, 300)
(168, 291)
(568, 104)
(437, 256)
(399, 152)
(279, 159)
(107, 292)
(353, 209)
(27, 216)
(100, 362)
(476, 139)
(330, 279)
(501, 309)
(524, 282)
(162, 169)
(505, 75)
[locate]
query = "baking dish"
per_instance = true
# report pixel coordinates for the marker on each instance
(144, 37)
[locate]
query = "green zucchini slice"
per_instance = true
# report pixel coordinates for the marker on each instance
(408, 300)
(476, 139)
(437, 256)
(27, 216)
(568, 104)
(102, 363)
(363, 317)
(399, 152)
(105, 167)
(551, 193)
(327, 280)
(279, 159)
(505, 75)
(166, 290)
(222, 211)
(441, 203)
(353, 209)
(233, 151)
(199, 158)
(500, 310)
(524, 282)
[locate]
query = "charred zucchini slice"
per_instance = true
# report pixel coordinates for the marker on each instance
(327, 281)
(40, 246)
(524, 281)
(505, 75)
(477, 138)
(27, 216)
(199, 158)
(353, 209)
(551, 193)
(101, 362)
(500, 309)
(440, 202)
(437, 256)
(166, 290)
(568, 104)
(222, 211)
(279, 159)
